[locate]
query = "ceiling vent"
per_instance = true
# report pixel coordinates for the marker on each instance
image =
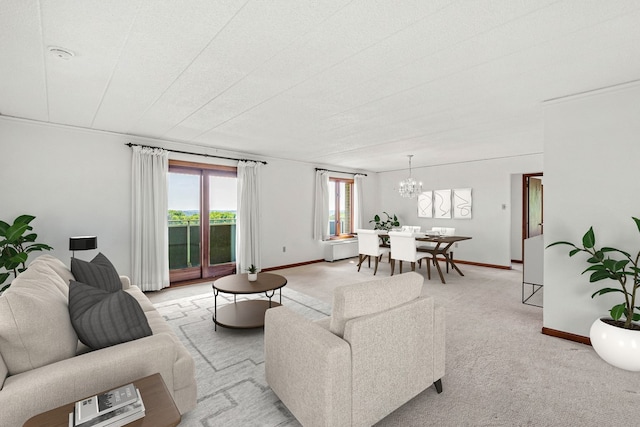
(61, 52)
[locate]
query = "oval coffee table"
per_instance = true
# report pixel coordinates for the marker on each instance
(246, 313)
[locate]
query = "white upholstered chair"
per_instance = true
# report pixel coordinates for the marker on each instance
(383, 345)
(403, 248)
(369, 246)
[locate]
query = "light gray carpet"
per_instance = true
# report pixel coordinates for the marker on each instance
(500, 370)
(232, 390)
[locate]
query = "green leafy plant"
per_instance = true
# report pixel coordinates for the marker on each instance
(386, 224)
(15, 246)
(624, 270)
(252, 269)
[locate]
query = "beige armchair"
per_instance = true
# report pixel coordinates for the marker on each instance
(382, 345)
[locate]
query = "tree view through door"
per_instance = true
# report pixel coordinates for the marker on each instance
(202, 221)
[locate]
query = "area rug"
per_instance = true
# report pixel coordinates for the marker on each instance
(232, 390)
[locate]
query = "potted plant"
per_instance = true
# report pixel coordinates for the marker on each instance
(607, 334)
(253, 273)
(15, 247)
(386, 224)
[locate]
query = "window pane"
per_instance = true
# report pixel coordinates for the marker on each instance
(345, 208)
(332, 208)
(222, 219)
(184, 220)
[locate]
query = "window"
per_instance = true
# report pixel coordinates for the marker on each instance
(202, 220)
(340, 207)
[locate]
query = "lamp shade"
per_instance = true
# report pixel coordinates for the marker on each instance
(83, 243)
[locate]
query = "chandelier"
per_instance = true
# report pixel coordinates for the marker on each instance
(409, 187)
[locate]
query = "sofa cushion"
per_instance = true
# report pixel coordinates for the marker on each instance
(56, 265)
(99, 272)
(102, 319)
(35, 329)
(360, 299)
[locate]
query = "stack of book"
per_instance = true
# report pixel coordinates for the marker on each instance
(114, 408)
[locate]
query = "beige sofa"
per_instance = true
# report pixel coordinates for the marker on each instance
(383, 344)
(43, 365)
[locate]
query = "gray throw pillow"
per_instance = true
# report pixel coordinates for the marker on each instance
(99, 272)
(102, 319)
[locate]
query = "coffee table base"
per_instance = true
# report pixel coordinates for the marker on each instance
(243, 314)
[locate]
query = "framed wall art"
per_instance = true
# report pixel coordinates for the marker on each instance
(425, 204)
(442, 203)
(462, 203)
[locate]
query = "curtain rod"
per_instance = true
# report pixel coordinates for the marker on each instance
(350, 173)
(196, 154)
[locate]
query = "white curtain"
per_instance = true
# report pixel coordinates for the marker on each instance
(150, 249)
(248, 223)
(358, 220)
(321, 211)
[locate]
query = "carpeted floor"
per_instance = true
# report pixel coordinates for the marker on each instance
(501, 371)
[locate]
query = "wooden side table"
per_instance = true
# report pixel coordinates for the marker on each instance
(160, 409)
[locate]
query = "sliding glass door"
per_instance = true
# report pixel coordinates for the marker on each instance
(202, 220)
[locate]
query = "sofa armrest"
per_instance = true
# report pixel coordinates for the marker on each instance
(308, 368)
(126, 282)
(4, 372)
(38, 390)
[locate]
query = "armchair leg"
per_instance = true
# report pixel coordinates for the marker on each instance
(438, 385)
(360, 260)
(393, 265)
(375, 270)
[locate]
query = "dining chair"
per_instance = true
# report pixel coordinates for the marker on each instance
(369, 246)
(403, 248)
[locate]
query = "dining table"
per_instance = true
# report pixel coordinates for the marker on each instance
(442, 245)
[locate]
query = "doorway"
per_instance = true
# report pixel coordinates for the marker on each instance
(532, 208)
(202, 220)
(532, 247)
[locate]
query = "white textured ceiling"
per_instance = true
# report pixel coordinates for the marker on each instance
(353, 84)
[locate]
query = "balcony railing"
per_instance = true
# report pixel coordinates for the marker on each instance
(184, 243)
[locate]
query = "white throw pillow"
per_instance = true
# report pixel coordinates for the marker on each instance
(35, 328)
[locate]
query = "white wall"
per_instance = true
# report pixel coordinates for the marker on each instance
(77, 182)
(591, 178)
(490, 226)
(288, 205)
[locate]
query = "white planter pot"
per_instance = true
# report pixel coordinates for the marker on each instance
(253, 277)
(617, 346)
